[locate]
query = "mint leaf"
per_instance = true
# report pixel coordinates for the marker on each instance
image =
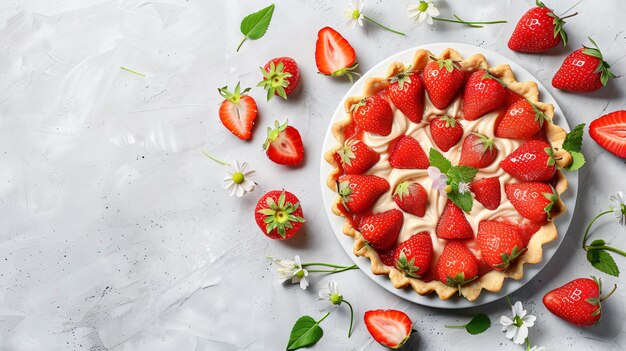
(305, 332)
(574, 139)
(465, 173)
(255, 25)
(578, 160)
(598, 242)
(438, 160)
(477, 325)
(464, 201)
(602, 261)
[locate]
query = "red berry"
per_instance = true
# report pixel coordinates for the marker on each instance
(334, 56)
(360, 192)
(406, 91)
(522, 120)
(578, 301)
(456, 265)
(487, 192)
(373, 114)
(610, 132)
(500, 243)
(446, 132)
(478, 151)
(390, 328)
(583, 71)
(407, 153)
(442, 80)
(453, 224)
(530, 162)
(539, 30)
(532, 200)
(381, 230)
(483, 94)
(238, 112)
(413, 256)
(280, 77)
(356, 157)
(284, 145)
(279, 214)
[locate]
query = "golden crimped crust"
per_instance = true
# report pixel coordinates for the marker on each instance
(493, 280)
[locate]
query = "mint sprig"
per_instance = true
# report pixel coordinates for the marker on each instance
(254, 25)
(477, 325)
(573, 144)
(305, 332)
(456, 175)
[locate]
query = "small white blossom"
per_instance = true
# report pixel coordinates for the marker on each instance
(424, 11)
(354, 13)
(463, 187)
(237, 180)
(331, 294)
(619, 212)
(439, 179)
(516, 327)
(292, 269)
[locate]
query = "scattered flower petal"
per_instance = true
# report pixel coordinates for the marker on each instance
(424, 11)
(292, 269)
(237, 182)
(619, 212)
(354, 13)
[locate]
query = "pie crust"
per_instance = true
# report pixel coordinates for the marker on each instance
(493, 280)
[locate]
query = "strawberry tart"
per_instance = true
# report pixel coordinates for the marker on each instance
(448, 173)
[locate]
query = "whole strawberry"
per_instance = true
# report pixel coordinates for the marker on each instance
(279, 214)
(483, 94)
(442, 80)
(539, 30)
(373, 114)
(407, 93)
(407, 153)
(381, 230)
(280, 77)
(478, 151)
(500, 243)
(578, 301)
(453, 224)
(411, 197)
(532, 161)
(487, 192)
(583, 71)
(522, 120)
(446, 132)
(284, 144)
(413, 256)
(360, 192)
(533, 200)
(356, 157)
(456, 265)
(238, 112)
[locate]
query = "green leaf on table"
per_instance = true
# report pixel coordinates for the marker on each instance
(438, 160)
(477, 325)
(602, 260)
(578, 160)
(305, 332)
(255, 25)
(574, 139)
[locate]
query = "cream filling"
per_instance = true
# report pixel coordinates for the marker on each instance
(421, 132)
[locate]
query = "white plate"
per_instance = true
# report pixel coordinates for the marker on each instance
(432, 300)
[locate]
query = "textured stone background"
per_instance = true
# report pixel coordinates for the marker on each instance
(115, 233)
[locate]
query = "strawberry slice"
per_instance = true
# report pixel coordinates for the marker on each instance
(390, 328)
(487, 192)
(522, 120)
(533, 200)
(407, 93)
(478, 151)
(381, 230)
(408, 154)
(413, 256)
(532, 161)
(483, 94)
(500, 243)
(284, 144)
(442, 80)
(334, 56)
(238, 112)
(453, 224)
(360, 192)
(356, 157)
(373, 114)
(411, 197)
(610, 132)
(446, 132)
(456, 265)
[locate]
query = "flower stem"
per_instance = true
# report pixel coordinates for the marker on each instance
(215, 159)
(382, 26)
(568, 16)
(351, 317)
(589, 227)
(241, 43)
(605, 247)
(132, 71)
(610, 293)
(455, 326)
(470, 24)
(508, 300)
(332, 270)
(322, 264)
(326, 315)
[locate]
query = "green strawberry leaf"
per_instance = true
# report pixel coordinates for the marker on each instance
(574, 139)
(578, 160)
(255, 25)
(439, 160)
(305, 332)
(477, 325)
(602, 261)
(598, 242)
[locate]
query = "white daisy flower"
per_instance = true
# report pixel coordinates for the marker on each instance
(516, 327)
(620, 211)
(424, 11)
(292, 269)
(354, 13)
(439, 179)
(463, 187)
(238, 182)
(331, 294)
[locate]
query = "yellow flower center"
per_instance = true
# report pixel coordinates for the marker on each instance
(356, 14)
(238, 177)
(448, 188)
(336, 299)
(300, 273)
(423, 6)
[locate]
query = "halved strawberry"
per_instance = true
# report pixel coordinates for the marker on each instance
(238, 112)
(456, 265)
(334, 56)
(522, 120)
(284, 144)
(478, 151)
(500, 243)
(487, 192)
(533, 200)
(610, 132)
(356, 157)
(411, 197)
(453, 224)
(446, 132)
(483, 94)
(390, 328)
(381, 230)
(442, 79)
(373, 114)
(279, 215)
(408, 154)
(532, 161)
(360, 192)
(407, 93)
(280, 77)
(413, 256)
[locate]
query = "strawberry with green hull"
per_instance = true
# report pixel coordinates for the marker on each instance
(390, 328)
(457, 265)
(407, 93)
(406, 153)
(284, 144)
(532, 161)
(487, 192)
(373, 114)
(356, 157)
(583, 71)
(610, 132)
(334, 56)
(539, 30)
(522, 120)
(280, 77)
(360, 192)
(453, 224)
(500, 244)
(413, 256)
(238, 112)
(279, 214)
(478, 151)
(381, 230)
(445, 132)
(442, 80)
(483, 94)
(578, 302)
(411, 197)
(533, 200)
